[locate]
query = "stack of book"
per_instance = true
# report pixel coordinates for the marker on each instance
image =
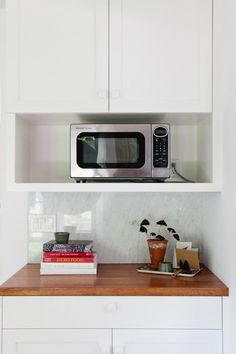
(75, 257)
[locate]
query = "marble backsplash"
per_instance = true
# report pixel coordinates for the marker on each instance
(112, 220)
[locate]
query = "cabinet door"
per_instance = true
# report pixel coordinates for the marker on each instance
(57, 55)
(160, 55)
(56, 341)
(167, 341)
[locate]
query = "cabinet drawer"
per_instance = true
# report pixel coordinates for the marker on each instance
(111, 312)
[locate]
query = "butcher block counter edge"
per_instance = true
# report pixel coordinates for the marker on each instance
(111, 280)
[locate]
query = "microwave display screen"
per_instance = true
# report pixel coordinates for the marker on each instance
(110, 150)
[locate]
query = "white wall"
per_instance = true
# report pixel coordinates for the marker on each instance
(13, 207)
(112, 220)
(220, 217)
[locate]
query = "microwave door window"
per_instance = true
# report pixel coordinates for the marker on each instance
(88, 153)
(106, 151)
(110, 150)
(128, 150)
(117, 151)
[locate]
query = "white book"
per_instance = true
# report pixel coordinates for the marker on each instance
(68, 265)
(67, 271)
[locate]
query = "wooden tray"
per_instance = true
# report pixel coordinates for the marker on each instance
(146, 269)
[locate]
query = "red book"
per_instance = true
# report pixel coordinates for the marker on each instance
(68, 259)
(68, 254)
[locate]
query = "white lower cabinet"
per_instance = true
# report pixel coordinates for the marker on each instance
(40, 341)
(153, 341)
(98, 341)
(111, 325)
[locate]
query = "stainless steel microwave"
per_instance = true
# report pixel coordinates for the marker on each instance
(120, 151)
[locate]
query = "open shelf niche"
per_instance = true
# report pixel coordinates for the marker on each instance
(39, 152)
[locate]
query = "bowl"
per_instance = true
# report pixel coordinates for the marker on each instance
(62, 237)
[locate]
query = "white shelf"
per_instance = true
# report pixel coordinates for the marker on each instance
(39, 153)
(115, 187)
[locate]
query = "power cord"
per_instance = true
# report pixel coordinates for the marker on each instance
(173, 166)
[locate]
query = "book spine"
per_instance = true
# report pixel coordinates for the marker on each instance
(66, 271)
(68, 254)
(67, 265)
(66, 248)
(68, 259)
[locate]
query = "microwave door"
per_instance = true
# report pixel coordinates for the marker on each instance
(114, 154)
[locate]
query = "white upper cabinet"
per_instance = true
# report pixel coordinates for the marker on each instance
(160, 55)
(57, 55)
(150, 55)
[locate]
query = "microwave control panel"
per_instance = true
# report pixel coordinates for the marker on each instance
(161, 151)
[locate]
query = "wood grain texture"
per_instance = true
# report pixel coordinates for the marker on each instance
(111, 280)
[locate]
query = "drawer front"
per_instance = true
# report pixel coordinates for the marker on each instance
(112, 312)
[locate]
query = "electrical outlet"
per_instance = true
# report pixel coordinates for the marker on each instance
(42, 223)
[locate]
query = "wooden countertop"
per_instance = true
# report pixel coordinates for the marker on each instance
(111, 280)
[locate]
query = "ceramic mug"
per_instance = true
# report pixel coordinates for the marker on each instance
(165, 267)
